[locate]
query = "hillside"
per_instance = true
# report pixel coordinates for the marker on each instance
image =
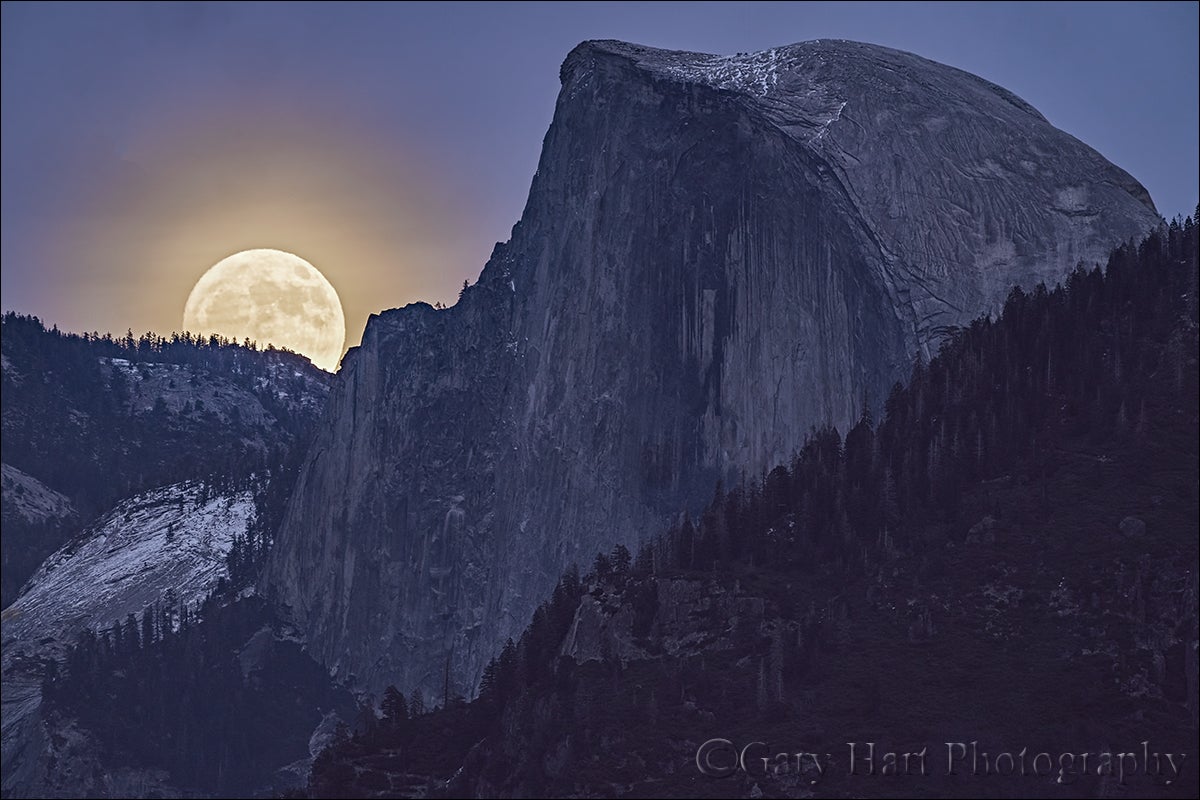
(1008, 557)
(140, 477)
(92, 420)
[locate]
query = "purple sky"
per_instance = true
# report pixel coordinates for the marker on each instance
(392, 145)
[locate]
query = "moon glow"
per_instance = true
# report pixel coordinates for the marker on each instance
(270, 297)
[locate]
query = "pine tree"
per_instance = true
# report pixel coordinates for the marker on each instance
(644, 565)
(488, 684)
(602, 566)
(621, 559)
(394, 707)
(506, 672)
(367, 723)
(416, 703)
(148, 637)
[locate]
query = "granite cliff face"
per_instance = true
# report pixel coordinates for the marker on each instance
(717, 254)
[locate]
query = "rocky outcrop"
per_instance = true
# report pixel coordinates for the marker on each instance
(679, 622)
(1132, 528)
(717, 254)
(169, 542)
(28, 498)
(89, 422)
(166, 543)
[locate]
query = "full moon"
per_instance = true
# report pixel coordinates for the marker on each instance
(273, 297)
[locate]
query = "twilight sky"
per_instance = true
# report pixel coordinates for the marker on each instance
(393, 145)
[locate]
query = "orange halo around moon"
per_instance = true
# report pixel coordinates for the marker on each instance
(198, 185)
(271, 297)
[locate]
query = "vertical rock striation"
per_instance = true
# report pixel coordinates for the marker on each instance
(717, 254)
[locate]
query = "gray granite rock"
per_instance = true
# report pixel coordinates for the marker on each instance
(1132, 528)
(717, 254)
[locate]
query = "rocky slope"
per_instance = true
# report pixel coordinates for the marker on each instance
(717, 253)
(28, 499)
(172, 538)
(36, 520)
(93, 421)
(130, 466)
(166, 543)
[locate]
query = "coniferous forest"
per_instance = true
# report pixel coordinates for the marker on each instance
(210, 693)
(101, 418)
(1004, 551)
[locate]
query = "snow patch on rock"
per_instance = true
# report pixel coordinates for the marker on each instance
(168, 538)
(756, 73)
(30, 498)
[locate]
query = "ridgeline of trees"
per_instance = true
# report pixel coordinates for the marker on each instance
(26, 334)
(71, 421)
